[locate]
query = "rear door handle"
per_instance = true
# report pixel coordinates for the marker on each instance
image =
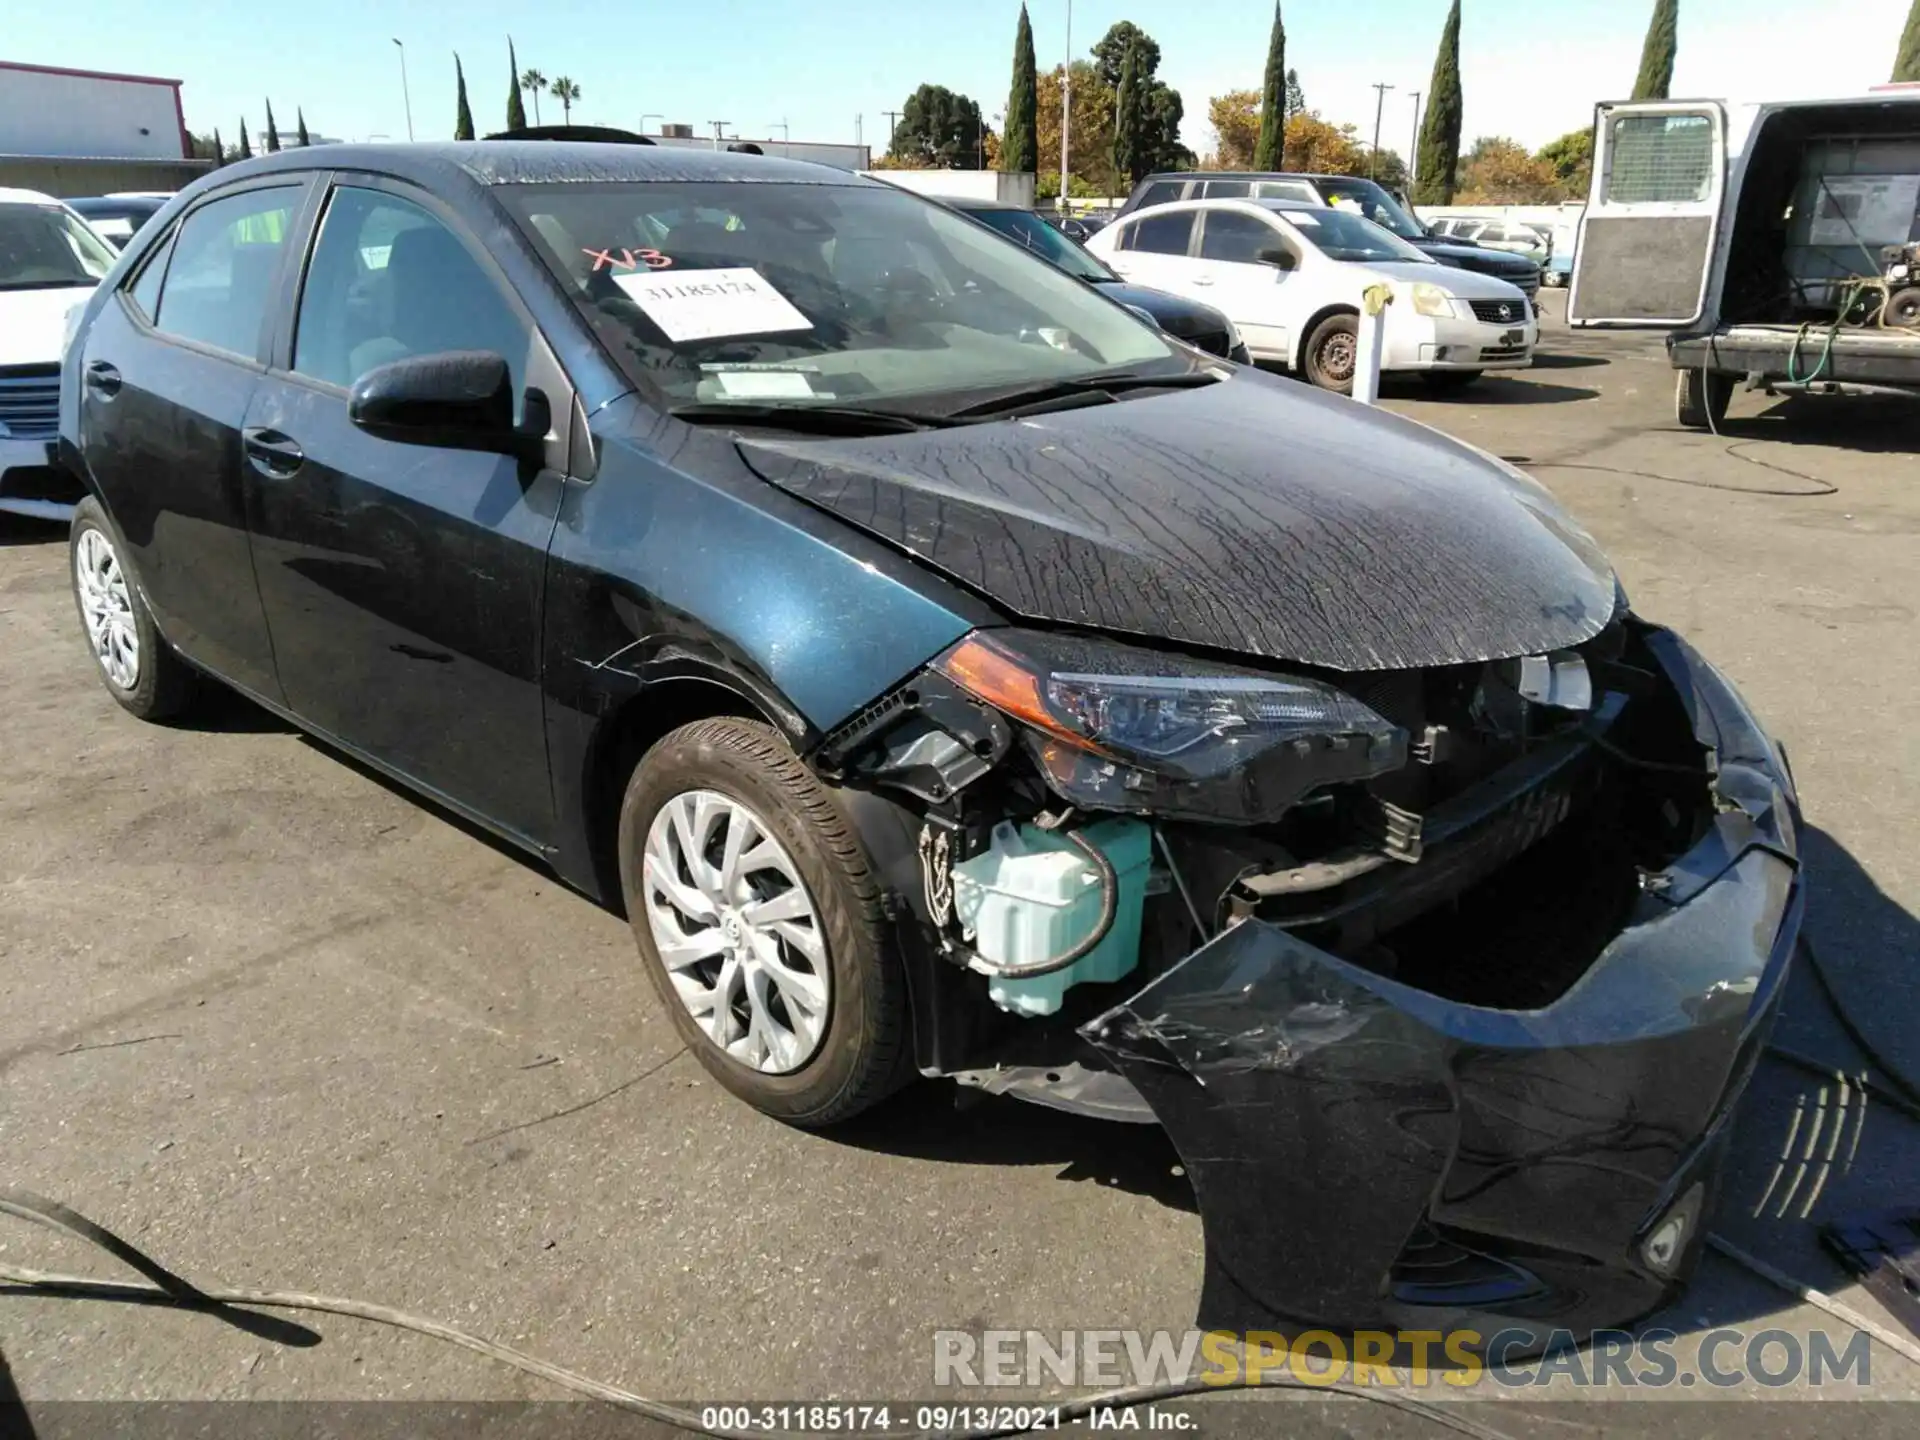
(272, 453)
(103, 378)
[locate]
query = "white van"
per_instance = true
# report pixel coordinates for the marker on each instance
(1769, 239)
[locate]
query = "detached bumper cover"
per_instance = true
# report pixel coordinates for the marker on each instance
(1367, 1153)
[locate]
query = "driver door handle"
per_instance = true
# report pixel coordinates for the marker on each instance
(103, 378)
(272, 453)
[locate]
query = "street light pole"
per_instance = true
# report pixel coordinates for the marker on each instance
(1379, 108)
(1066, 109)
(1413, 151)
(651, 115)
(406, 98)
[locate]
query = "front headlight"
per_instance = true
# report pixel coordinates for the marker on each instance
(1430, 299)
(1118, 728)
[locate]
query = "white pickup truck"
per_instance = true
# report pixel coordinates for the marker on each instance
(49, 261)
(1775, 241)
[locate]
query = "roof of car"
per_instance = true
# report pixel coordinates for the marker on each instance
(25, 197)
(542, 162)
(1247, 175)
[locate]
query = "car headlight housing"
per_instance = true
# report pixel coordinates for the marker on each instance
(1117, 727)
(1430, 299)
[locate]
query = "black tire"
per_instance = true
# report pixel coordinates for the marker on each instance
(864, 1052)
(1903, 309)
(1701, 397)
(1331, 353)
(1448, 382)
(163, 684)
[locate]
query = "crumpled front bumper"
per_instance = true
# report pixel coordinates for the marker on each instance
(1365, 1153)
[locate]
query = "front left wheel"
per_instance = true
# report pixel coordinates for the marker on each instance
(759, 920)
(138, 667)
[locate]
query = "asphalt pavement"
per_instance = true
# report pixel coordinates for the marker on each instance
(280, 1025)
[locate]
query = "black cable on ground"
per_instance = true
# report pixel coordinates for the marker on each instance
(168, 1288)
(1737, 450)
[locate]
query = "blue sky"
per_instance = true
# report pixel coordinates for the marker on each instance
(1530, 70)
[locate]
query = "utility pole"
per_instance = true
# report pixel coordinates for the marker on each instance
(404, 96)
(1066, 108)
(784, 148)
(859, 122)
(893, 124)
(1413, 151)
(1379, 108)
(718, 126)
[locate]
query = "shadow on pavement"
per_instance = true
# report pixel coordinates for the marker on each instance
(1545, 361)
(19, 530)
(1875, 424)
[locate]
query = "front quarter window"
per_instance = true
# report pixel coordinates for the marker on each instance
(798, 293)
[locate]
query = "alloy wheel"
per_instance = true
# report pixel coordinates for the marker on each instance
(740, 937)
(106, 604)
(1338, 353)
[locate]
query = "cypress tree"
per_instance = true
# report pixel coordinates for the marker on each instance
(1440, 133)
(1906, 65)
(301, 133)
(1270, 150)
(1656, 56)
(1128, 115)
(273, 132)
(516, 108)
(219, 150)
(1020, 140)
(463, 116)
(246, 150)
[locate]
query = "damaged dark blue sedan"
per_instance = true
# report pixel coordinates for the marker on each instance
(951, 675)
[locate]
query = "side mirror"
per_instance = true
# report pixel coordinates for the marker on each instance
(458, 399)
(1281, 259)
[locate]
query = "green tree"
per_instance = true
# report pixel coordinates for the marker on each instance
(1161, 132)
(463, 113)
(1130, 121)
(567, 93)
(1020, 150)
(245, 151)
(1440, 132)
(939, 129)
(1498, 171)
(1296, 97)
(516, 109)
(1270, 150)
(1906, 64)
(209, 148)
(1571, 158)
(1656, 55)
(273, 132)
(1235, 118)
(535, 84)
(1110, 53)
(301, 134)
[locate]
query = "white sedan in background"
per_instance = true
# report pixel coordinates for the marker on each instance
(1290, 276)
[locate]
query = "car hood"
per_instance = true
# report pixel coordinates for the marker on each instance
(1175, 314)
(1467, 284)
(34, 322)
(1252, 515)
(1475, 257)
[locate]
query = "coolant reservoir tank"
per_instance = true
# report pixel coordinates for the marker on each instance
(1032, 895)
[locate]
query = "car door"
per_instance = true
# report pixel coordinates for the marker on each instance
(1251, 290)
(1646, 245)
(1151, 249)
(403, 583)
(169, 368)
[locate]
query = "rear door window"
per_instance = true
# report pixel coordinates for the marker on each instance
(226, 257)
(1163, 234)
(1161, 192)
(1235, 238)
(1226, 189)
(1660, 159)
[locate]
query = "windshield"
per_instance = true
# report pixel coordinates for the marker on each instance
(43, 247)
(1343, 235)
(796, 294)
(1045, 241)
(1371, 200)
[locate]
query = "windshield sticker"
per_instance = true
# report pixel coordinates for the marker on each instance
(625, 259)
(709, 304)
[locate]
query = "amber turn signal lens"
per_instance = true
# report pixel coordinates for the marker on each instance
(990, 673)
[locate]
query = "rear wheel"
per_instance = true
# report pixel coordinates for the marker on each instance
(760, 923)
(1446, 382)
(1701, 397)
(1903, 308)
(138, 668)
(1333, 351)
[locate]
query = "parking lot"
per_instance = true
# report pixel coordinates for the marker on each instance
(278, 1024)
